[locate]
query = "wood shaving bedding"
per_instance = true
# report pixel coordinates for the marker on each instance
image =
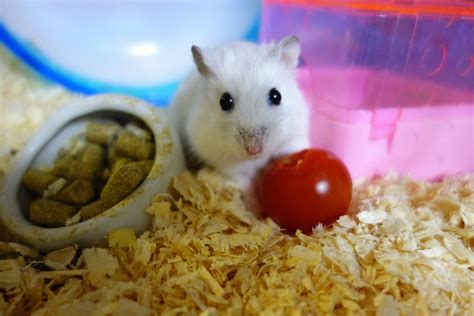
(25, 103)
(405, 249)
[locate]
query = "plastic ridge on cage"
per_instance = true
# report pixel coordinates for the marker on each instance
(448, 7)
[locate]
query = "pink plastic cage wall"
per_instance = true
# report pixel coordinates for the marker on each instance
(390, 83)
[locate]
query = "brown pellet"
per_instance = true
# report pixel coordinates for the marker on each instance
(38, 181)
(121, 183)
(80, 170)
(93, 209)
(62, 166)
(134, 147)
(77, 193)
(101, 133)
(49, 213)
(145, 166)
(92, 175)
(93, 155)
(121, 162)
(112, 155)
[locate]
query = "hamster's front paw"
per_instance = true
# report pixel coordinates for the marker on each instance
(249, 194)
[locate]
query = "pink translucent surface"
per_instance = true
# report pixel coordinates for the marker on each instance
(387, 90)
(425, 142)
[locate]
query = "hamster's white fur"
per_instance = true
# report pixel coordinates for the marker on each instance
(247, 72)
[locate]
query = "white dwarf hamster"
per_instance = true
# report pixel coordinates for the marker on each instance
(241, 106)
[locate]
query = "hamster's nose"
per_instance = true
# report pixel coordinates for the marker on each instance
(253, 147)
(253, 140)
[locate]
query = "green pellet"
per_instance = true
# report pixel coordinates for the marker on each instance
(77, 193)
(134, 147)
(101, 133)
(49, 213)
(37, 181)
(93, 155)
(93, 209)
(121, 183)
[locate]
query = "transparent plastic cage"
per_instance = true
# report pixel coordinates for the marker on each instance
(390, 83)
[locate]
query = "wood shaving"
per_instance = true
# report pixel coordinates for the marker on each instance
(405, 249)
(60, 259)
(8, 248)
(26, 102)
(393, 257)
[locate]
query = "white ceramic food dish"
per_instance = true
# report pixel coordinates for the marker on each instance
(43, 148)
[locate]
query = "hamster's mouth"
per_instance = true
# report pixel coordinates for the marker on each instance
(244, 155)
(253, 156)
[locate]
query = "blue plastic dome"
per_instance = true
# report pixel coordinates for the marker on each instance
(140, 48)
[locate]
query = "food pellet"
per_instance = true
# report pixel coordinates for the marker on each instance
(101, 133)
(93, 155)
(49, 213)
(121, 183)
(121, 162)
(134, 147)
(112, 155)
(38, 181)
(63, 165)
(94, 172)
(145, 166)
(77, 193)
(80, 170)
(93, 209)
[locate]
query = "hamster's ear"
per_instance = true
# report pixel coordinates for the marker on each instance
(288, 50)
(200, 63)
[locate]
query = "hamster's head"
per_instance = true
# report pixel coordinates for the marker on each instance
(251, 103)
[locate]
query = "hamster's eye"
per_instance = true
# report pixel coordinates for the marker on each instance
(226, 102)
(274, 97)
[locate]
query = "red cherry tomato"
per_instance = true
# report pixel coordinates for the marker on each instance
(304, 189)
